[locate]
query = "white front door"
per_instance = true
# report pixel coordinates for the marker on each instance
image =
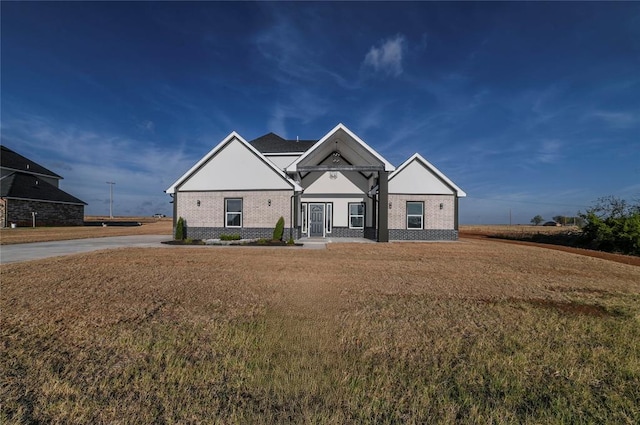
(316, 220)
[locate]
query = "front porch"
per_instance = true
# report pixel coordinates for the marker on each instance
(345, 189)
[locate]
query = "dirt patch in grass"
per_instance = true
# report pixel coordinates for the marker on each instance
(565, 307)
(575, 308)
(356, 333)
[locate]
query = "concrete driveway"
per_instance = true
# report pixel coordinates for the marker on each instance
(35, 251)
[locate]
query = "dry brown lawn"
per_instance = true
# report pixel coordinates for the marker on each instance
(519, 229)
(468, 332)
(45, 234)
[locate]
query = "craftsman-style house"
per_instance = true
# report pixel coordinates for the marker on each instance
(335, 187)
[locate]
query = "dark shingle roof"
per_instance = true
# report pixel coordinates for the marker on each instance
(15, 161)
(27, 186)
(272, 143)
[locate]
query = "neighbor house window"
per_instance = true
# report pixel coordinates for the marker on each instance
(415, 214)
(233, 212)
(356, 215)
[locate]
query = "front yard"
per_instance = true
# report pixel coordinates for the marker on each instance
(466, 332)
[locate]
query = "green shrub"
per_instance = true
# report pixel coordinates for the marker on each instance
(262, 241)
(180, 229)
(233, 237)
(279, 230)
(290, 241)
(613, 225)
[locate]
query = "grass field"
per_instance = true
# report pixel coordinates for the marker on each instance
(514, 230)
(469, 332)
(150, 226)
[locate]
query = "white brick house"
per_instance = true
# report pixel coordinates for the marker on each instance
(337, 186)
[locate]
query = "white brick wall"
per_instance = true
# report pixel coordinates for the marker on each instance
(434, 217)
(256, 211)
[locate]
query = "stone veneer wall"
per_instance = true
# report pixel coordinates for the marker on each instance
(423, 235)
(49, 213)
(258, 217)
(345, 232)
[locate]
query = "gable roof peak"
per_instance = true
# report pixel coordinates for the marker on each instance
(370, 152)
(220, 146)
(419, 158)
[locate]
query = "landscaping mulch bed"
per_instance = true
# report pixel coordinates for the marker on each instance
(263, 243)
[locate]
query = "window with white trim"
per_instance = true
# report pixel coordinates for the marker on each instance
(329, 217)
(356, 215)
(233, 212)
(415, 215)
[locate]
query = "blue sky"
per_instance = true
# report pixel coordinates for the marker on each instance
(528, 107)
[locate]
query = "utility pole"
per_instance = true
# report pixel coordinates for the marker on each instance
(111, 198)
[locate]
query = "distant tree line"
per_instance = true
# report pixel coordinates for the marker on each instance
(569, 220)
(561, 219)
(613, 225)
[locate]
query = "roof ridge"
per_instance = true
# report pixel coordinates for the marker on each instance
(12, 160)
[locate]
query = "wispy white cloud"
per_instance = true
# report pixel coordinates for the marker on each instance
(301, 105)
(147, 125)
(290, 56)
(548, 152)
(386, 58)
(87, 159)
(296, 58)
(617, 119)
(373, 116)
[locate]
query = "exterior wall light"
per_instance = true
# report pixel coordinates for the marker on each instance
(198, 202)
(269, 202)
(390, 205)
(441, 205)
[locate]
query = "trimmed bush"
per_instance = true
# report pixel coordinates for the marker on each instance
(234, 237)
(180, 229)
(279, 230)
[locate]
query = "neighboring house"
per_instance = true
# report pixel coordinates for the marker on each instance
(27, 188)
(337, 186)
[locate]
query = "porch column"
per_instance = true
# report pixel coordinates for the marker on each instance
(383, 206)
(455, 212)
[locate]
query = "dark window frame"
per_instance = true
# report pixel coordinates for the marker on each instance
(363, 215)
(227, 212)
(421, 203)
